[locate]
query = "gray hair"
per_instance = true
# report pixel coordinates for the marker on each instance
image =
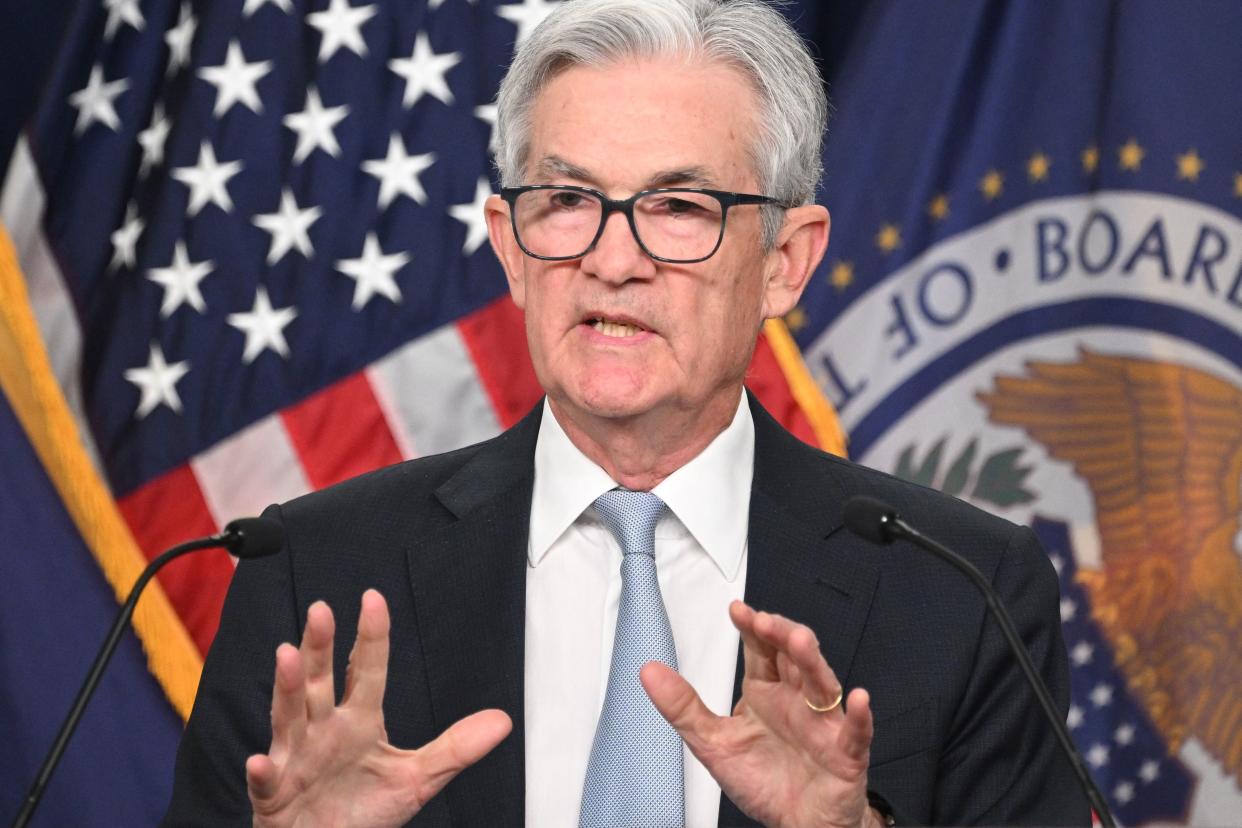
(748, 35)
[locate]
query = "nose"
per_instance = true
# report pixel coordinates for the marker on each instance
(617, 256)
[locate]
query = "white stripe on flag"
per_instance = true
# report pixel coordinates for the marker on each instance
(430, 393)
(22, 203)
(250, 470)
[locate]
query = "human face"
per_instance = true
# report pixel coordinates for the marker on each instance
(678, 337)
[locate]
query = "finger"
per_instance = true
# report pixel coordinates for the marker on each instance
(789, 672)
(368, 661)
(261, 779)
(678, 702)
(288, 701)
(799, 644)
(464, 743)
(758, 657)
(317, 657)
(854, 738)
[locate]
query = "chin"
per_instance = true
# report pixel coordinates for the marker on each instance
(613, 400)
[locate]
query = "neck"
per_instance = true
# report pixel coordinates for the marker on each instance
(639, 452)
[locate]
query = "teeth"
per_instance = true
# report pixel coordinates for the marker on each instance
(616, 329)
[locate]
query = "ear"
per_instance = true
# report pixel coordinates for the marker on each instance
(799, 248)
(504, 243)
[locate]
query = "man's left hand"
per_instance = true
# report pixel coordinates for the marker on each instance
(781, 762)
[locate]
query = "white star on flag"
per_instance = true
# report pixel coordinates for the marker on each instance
(526, 16)
(1149, 771)
(1074, 718)
(253, 6)
(235, 79)
(314, 126)
(398, 172)
(180, 281)
(1123, 793)
(152, 139)
(264, 327)
(95, 101)
(179, 39)
(1124, 734)
(487, 113)
(341, 25)
(1097, 756)
(424, 72)
(208, 181)
(158, 382)
(288, 226)
(1082, 653)
(125, 239)
(1101, 695)
(122, 11)
(373, 272)
(473, 217)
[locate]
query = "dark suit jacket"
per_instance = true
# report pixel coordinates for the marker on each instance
(958, 736)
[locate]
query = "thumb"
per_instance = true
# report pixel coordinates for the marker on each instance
(678, 702)
(467, 741)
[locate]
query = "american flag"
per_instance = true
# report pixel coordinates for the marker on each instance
(253, 235)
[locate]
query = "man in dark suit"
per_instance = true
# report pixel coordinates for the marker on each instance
(530, 583)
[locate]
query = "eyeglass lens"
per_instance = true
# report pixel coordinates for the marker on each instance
(563, 223)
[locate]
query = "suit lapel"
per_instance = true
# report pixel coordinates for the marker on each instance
(801, 563)
(468, 580)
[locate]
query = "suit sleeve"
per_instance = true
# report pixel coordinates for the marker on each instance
(1002, 764)
(230, 720)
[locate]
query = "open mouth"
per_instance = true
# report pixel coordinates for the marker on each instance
(618, 328)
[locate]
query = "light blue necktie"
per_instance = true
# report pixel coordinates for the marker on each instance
(634, 777)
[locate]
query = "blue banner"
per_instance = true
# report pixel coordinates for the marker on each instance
(1032, 299)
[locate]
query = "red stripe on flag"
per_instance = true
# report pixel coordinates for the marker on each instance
(340, 432)
(768, 382)
(167, 511)
(495, 337)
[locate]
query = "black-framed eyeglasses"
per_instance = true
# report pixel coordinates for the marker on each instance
(679, 225)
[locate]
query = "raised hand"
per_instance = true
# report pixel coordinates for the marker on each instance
(331, 764)
(780, 761)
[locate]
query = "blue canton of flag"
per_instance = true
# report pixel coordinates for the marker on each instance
(1033, 300)
(259, 198)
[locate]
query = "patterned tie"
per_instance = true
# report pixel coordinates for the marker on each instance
(634, 777)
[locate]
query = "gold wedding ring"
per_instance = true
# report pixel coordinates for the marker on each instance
(835, 703)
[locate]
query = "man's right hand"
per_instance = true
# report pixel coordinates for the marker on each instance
(333, 765)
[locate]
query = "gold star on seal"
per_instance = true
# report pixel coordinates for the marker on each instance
(889, 238)
(1090, 159)
(1131, 155)
(1189, 165)
(992, 184)
(938, 207)
(796, 319)
(1037, 167)
(842, 275)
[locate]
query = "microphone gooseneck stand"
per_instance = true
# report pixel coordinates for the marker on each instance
(245, 538)
(879, 523)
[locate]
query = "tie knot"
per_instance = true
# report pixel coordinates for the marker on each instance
(631, 517)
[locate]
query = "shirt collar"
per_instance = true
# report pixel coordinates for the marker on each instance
(710, 495)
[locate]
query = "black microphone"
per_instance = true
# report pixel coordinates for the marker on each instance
(244, 538)
(878, 522)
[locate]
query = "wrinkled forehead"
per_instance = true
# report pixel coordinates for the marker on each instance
(647, 122)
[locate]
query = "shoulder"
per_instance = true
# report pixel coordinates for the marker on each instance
(385, 509)
(807, 481)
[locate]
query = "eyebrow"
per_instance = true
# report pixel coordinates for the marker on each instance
(553, 166)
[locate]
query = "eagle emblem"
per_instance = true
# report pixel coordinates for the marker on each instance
(1159, 446)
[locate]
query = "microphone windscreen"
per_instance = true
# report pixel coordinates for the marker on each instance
(866, 517)
(255, 537)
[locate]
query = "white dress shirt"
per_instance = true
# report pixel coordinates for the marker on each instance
(573, 589)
